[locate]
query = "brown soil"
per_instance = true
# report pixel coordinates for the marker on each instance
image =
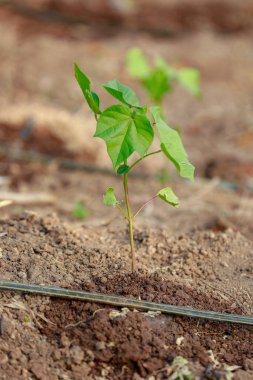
(162, 18)
(75, 338)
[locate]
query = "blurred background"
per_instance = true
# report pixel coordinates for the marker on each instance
(48, 157)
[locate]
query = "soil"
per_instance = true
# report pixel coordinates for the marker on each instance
(75, 338)
(199, 255)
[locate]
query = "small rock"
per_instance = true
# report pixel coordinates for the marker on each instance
(249, 364)
(82, 371)
(100, 346)
(3, 358)
(57, 354)
(77, 354)
(65, 341)
(179, 340)
(90, 354)
(16, 353)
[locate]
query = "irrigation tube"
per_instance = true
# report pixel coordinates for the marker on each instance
(125, 302)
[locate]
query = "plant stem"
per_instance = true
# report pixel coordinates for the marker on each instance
(144, 205)
(130, 221)
(129, 213)
(142, 158)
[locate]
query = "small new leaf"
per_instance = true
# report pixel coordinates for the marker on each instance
(124, 132)
(168, 196)
(172, 146)
(95, 99)
(137, 64)
(122, 169)
(180, 370)
(190, 80)
(90, 96)
(109, 198)
(122, 93)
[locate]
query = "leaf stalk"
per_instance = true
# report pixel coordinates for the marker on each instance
(142, 158)
(144, 205)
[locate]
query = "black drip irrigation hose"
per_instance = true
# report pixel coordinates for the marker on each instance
(63, 163)
(114, 300)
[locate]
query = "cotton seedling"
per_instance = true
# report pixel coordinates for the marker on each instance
(159, 80)
(127, 128)
(80, 211)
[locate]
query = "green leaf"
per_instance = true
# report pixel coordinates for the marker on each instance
(122, 169)
(124, 132)
(140, 110)
(26, 319)
(172, 146)
(168, 196)
(95, 99)
(109, 197)
(80, 211)
(93, 102)
(82, 79)
(122, 93)
(157, 84)
(90, 96)
(180, 370)
(167, 69)
(137, 64)
(190, 80)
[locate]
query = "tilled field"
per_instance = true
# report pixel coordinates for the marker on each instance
(199, 255)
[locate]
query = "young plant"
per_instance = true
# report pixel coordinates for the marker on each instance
(80, 211)
(160, 79)
(127, 127)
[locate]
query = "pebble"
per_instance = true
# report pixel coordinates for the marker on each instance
(90, 354)
(22, 275)
(100, 346)
(57, 354)
(249, 364)
(68, 278)
(3, 358)
(65, 341)
(77, 354)
(16, 354)
(103, 280)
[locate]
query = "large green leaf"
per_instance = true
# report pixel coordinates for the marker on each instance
(122, 93)
(137, 64)
(190, 79)
(90, 96)
(109, 197)
(124, 132)
(172, 146)
(168, 196)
